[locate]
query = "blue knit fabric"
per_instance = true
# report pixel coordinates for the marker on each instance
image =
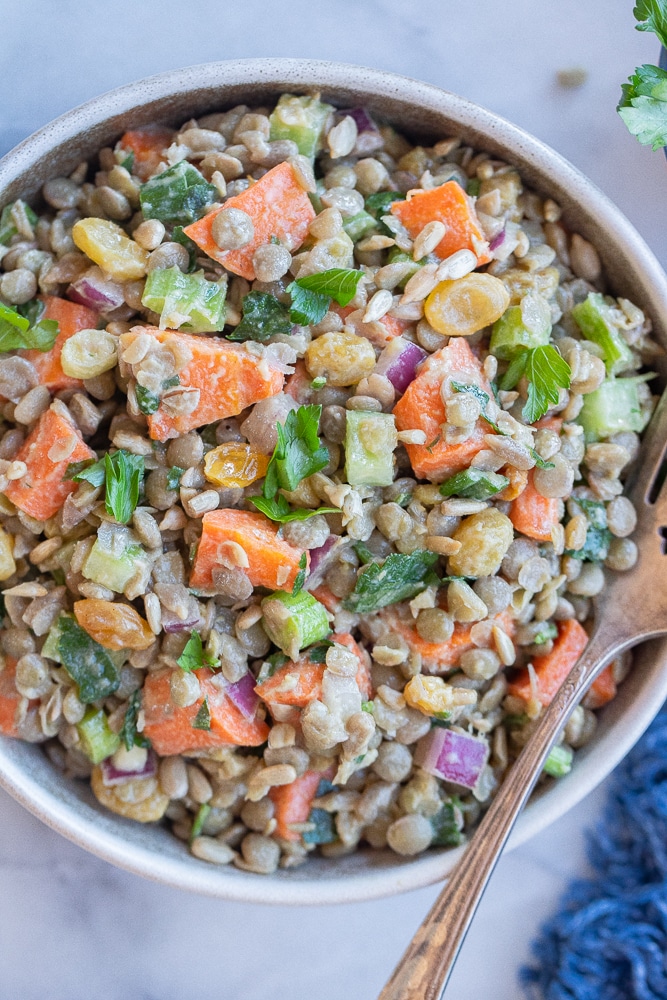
(609, 939)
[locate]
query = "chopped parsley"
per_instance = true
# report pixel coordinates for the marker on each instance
(398, 578)
(263, 316)
(323, 830)
(447, 825)
(128, 731)
(311, 295)
(278, 509)
(300, 578)
(298, 453)
(87, 662)
(202, 719)
(643, 104)
(194, 656)
(16, 332)
(124, 473)
(546, 372)
(174, 477)
(380, 203)
(475, 484)
(318, 652)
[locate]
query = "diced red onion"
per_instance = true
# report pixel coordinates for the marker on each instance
(112, 775)
(362, 118)
(453, 756)
(96, 291)
(399, 361)
(321, 559)
(318, 554)
(497, 241)
(369, 139)
(171, 623)
(242, 693)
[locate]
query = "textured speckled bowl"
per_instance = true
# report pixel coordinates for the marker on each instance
(422, 111)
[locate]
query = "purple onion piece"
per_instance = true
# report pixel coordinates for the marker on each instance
(92, 289)
(362, 118)
(453, 756)
(321, 559)
(242, 693)
(497, 241)
(111, 775)
(398, 362)
(171, 623)
(317, 555)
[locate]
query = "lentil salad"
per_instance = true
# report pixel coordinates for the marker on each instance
(365, 368)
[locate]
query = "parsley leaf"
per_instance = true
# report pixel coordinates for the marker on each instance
(278, 509)
(147, 401)
(128, 731)
(177, 195)
(202, 719)
(308, 307)
(86, 471)
(447, 825)
(318, 652)
(643, 106)
(87, 662)
(300, 578)
(547, 372)
(399, 577)
(194, 656)
(124, 473)
(298, 453)
(322, 829)
(263, 316)
(174, 477)
(16, 333)
(476, 484)
(339, 283)
(652, 16)
(379, 204)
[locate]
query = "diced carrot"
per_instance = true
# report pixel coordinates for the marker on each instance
(438, 657)
(327, 598)
(9, 699)
(298, 683)
(602, 690)
(298, 385)
(70, 317)
(277, 205)
(549, 424)
(227, 377)
(449, 204)
(148, 146)
(532, 514)
(421, 408)
(552, 668)
(170, 729)
(292, 803)
(379, 332)
(42, 491)
(273, 562)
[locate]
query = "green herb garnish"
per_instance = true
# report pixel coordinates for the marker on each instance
(177, 195)
(323, 830)
(475, 484)
(298, 453)
(87, 471)
(174, 477)
(263, 316)
(202, 719)
(398, 578)
(16, 333)
(318, 652)
(447, 826)
(278, 509)
(643, 104)
(147, 401)
(312, 294)
(88, 664)
(128, 731)
(300, 577)
(194, 656)
(546, 372)
(124, 473)
(380, 203)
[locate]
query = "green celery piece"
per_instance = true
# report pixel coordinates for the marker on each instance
(447, 827)
(96, 739)
(397, 256)
(475, 484)
(300, 119)
(186, 301)
(398, 578)
(366, 467)
(359, 225)
(263, 316)
(612, 408)
(323, 831)
(294, 621)
(596, 546)
(88, 664)
(510, 334)
(111, 570)
(7, 226)
(178, 195)
(559, 762)
(593, 319)
(380, 203)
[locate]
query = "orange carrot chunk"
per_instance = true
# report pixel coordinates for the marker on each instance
(421, 408)
(42, 491)
(449, 204)
(9, 699)
(602, 690)
(147, 146)
(226, 377)
(532, 514)
(277, 205)
(298, 683)
(552, 668)
(272, 562)
(70, 317)
(438, 657)
(170, 728)
(292, 803)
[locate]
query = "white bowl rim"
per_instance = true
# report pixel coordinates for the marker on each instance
(602, 757)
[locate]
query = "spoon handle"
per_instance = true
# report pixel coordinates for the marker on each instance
(424, 969)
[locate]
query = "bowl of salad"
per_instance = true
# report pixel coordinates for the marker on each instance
(319, 387)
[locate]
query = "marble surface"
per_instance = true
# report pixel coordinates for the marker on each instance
(74, 928)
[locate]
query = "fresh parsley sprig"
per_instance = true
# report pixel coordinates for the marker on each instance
(263, 316)
(643, 104)
(121, 473)
(546, 372)
(311, 295)
(194, 656)
(17, 332)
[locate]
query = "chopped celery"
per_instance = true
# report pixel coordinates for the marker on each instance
(447, 825)
(612, 408)
(7, 224)
(300, 119)
(399, 257)
(186, 301)
(510, 333)
(559, 762)
(96, 739)
(370, 440)
(359, 225)
(293, 621)
(474, 484)
(178, 195)
(593, 317)
(114, 558)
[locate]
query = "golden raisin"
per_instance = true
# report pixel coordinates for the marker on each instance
(235, 464)
(461, 307)
(341, 357)
(140, 799)
(113, 625)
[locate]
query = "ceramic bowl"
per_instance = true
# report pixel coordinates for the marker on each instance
(423, 112)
